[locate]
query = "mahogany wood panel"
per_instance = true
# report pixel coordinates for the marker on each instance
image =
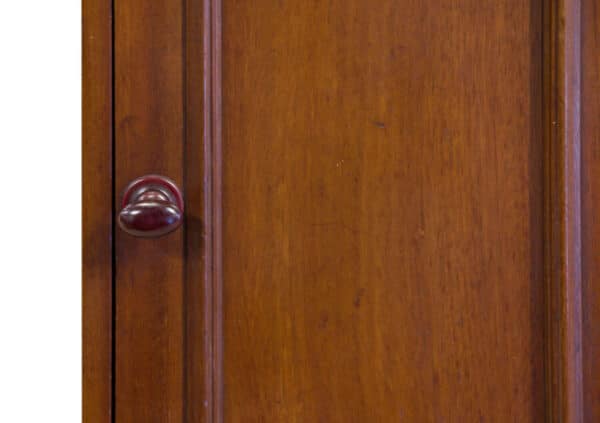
(97, 268)
(383, 211)
(149, 128)
(590, 103)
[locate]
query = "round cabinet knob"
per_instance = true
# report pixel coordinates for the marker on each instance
(152, 206)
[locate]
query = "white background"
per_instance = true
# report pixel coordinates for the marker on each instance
(40, 211)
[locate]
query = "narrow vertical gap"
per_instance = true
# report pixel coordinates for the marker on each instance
(113, 383)
(209, 383)
(547, 55)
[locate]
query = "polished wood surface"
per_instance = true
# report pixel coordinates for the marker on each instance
(389, 211)
(97, 174)
(149, 131)
(383, 254)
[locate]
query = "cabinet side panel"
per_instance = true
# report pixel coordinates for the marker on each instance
(97, 211)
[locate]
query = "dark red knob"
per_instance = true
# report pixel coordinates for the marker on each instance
(152, 206)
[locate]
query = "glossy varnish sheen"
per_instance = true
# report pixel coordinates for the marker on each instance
(383, 211)
(389, 211)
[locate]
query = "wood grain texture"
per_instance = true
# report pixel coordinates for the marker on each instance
(383, 211)
(563, 205)
(97, 268)
(149, 119)
(590, 148)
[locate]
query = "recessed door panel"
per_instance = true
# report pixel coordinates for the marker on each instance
(382, 211)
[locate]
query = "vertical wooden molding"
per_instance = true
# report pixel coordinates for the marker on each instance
(198, 250)
(203, 209)
(563, 205)
(97, 230)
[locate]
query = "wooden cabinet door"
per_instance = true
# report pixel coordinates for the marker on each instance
(388, 211)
